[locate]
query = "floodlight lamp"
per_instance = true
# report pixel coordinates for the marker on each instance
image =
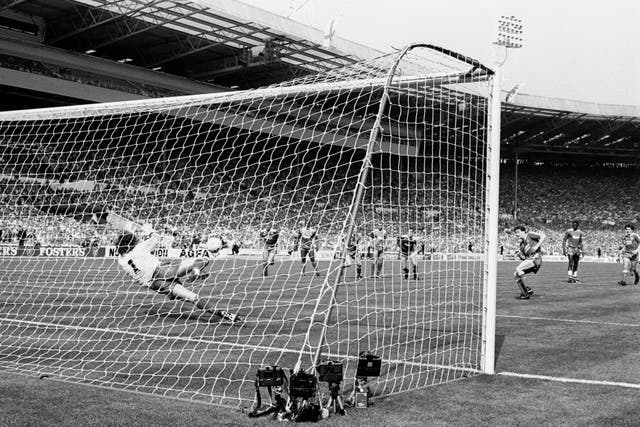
(509, 30)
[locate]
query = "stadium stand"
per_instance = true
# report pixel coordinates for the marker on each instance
(549, 198)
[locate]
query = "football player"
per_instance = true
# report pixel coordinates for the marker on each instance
(168, 276)
(407, 245)
(572, 249)
(307, 241)
(269, 238)
(531, 255)
(378, 237)
(354, 253)
(629, 255)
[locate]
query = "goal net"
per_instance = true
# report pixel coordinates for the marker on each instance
(379, 158)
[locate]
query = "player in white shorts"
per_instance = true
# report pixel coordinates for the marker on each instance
(165, 277)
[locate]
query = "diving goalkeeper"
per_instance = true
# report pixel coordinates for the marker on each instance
(168, 276)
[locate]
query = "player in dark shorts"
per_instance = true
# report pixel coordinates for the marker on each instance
(269, 239)
(407, 245)
(235, 246)
(531, 255)
(572, 248)
(355, 253)
(629, 255)
(307, 241)
(378, 237)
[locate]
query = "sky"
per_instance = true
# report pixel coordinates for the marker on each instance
(581, 50)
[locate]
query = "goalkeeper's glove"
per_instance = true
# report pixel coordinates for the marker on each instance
(147, 229)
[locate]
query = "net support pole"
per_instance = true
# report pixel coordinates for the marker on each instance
(353, 210)
(493, 189)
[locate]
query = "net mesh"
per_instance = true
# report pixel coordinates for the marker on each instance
(395, 145)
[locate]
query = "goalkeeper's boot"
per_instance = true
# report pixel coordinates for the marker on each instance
(622, 283)
(231, 317)
(524, 296)
(234, 318)
(529, 291)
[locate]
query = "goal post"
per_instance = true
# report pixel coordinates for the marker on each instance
(376, 157)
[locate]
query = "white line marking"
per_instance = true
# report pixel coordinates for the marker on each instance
(151, 336)
(552, 319)
(569, 380)
(228, 344)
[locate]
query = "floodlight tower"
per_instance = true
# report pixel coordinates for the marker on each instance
(509, 37)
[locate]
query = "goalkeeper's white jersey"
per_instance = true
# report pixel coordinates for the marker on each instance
(139, 263)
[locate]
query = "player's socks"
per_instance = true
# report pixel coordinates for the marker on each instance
(521, 285)
(406, 273)
(359, 272)
(636, 279)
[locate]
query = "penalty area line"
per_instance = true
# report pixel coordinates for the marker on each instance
(552, 319)
(569, 380)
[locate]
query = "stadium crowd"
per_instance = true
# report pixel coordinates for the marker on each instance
(602, 199)
(191, 201)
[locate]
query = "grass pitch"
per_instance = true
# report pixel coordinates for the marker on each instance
(567, 332)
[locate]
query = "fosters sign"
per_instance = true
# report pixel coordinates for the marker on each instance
(52, 251)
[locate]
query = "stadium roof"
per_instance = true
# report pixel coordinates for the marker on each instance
(223, 42)
(547, 129)
(203, 46)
